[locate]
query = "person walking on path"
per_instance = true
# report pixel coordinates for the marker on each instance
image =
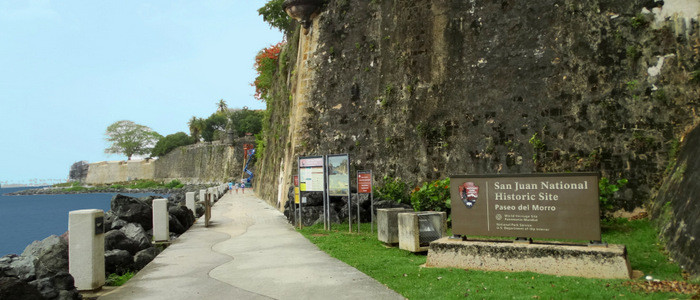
(242, 188)
(236, 185)
(230, 187)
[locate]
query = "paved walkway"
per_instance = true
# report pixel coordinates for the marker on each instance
(248, 252)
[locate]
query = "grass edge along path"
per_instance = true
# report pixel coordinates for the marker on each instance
(402, 272)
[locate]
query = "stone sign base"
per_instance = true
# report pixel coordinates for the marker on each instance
(609, 262)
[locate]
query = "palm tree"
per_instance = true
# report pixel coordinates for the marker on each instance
(222, 107)
(196, 125)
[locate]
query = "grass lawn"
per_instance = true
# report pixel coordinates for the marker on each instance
(401, 270)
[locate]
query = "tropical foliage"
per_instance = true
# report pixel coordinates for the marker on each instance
(170, 142)
(274, 15)
(129, 138)
(433, 196)
(265, 65)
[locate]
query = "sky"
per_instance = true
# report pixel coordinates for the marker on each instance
(69, 69)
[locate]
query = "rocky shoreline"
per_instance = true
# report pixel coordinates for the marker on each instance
(109, 190)
(41, 271)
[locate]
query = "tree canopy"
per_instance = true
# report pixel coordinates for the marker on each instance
(170, 142)
(214, 127)
(129, 138)
(246, 121)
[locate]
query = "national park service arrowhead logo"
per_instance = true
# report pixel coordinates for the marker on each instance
(469, 192)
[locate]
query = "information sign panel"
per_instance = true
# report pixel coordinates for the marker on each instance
(296, 195)
(558, 206)
(311, 177)
(364, 182)
(338, 175)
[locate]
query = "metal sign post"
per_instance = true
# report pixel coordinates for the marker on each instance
(364, 186)
(326, 199)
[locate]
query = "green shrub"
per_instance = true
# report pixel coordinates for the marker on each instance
(144, 184)
(607, 195)
(393, 189)
(433, 196)
(76, 189)
(118, 280)
(174, 184)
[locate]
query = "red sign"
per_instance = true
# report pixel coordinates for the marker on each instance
(296, 180)
(364, 182)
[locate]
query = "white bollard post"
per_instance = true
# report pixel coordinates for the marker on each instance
(213, 195)
(202, 193)
(86, 248)
(189, 201)
(161, 223)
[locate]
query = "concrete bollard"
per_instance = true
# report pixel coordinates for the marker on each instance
(86, 248)
(161, 222)
(202, 193)
(213, 196)
(189, 201)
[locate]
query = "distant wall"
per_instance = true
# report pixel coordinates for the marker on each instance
(199, 163)
(203, 162)
(119, 171)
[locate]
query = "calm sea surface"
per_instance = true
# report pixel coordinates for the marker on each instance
(24, 219)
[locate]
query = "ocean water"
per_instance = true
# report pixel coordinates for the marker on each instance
(24, 219)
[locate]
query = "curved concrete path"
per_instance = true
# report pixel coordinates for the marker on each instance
(248, 252)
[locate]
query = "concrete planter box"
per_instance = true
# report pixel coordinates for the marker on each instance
(418, 229)
(387, 224)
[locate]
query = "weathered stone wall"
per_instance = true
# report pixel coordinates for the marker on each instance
(677, 208)
(203, 163)
(198, 163)
(424, 89)
(120, 171)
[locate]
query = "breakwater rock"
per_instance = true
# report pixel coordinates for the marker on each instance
(41, 271)
(109, 190)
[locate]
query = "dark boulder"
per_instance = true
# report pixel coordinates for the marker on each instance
(64, 281)
(118, 261)
(175, 226)
(137, 233)
(14, 289)
(144, 257)
(199, 207)
(116, 239)
(23, 268)
(133, 210)
(51, 255)
(45, 287)
(69, 295)
(5, 264)
(183, 215)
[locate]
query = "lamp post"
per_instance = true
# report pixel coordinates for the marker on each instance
(302, 10)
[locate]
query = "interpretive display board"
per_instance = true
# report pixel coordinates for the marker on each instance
(311, 178)
(338, 175)
(557, 206)
(364, 182)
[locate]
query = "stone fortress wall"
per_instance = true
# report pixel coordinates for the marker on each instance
(198, 163)
(120, 171)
